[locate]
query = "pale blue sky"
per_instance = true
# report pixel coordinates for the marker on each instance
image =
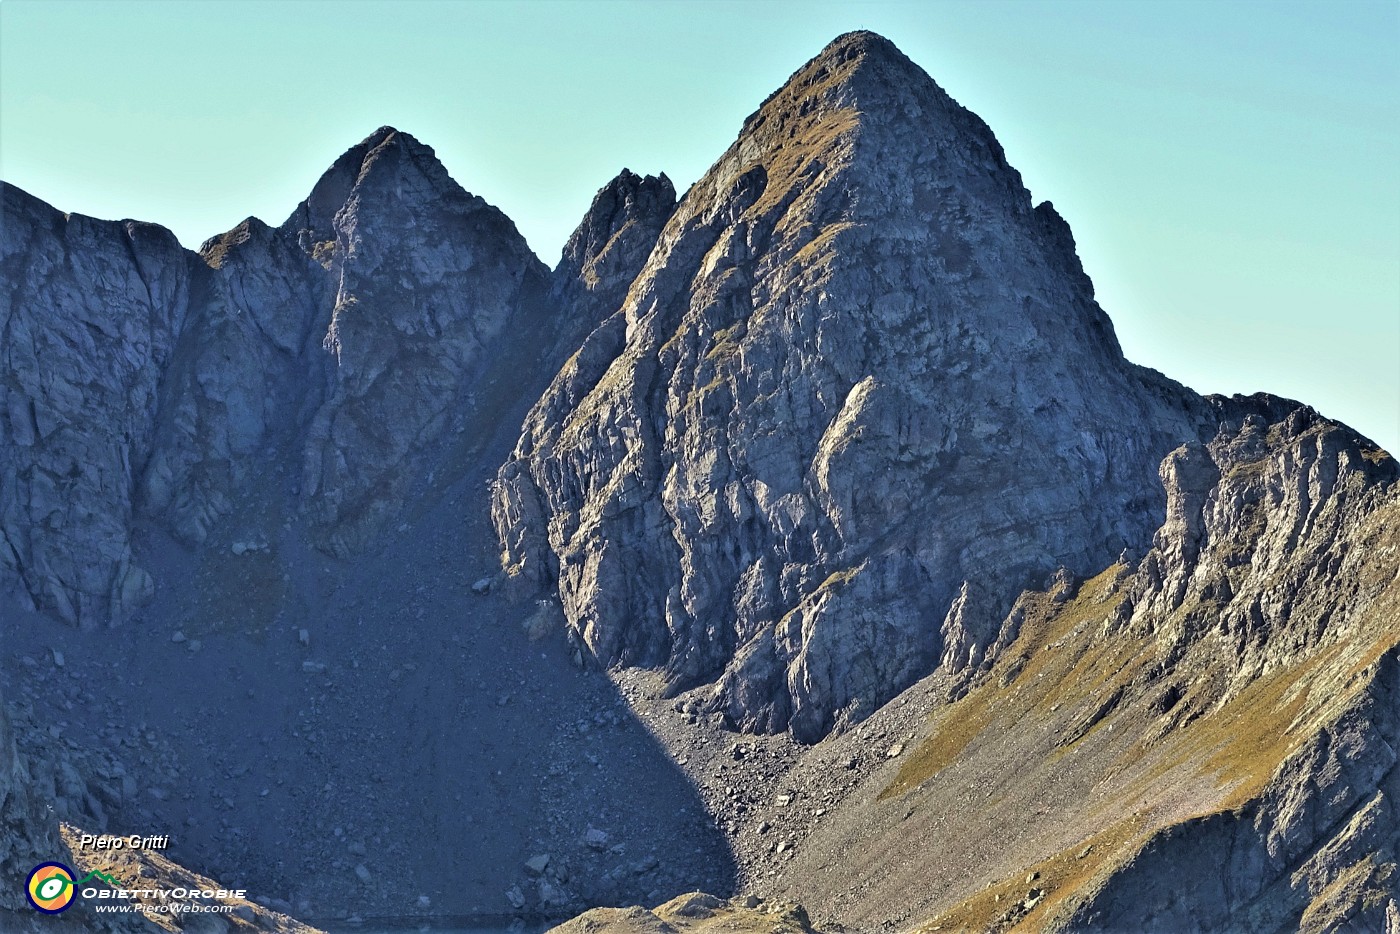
(1231, 170)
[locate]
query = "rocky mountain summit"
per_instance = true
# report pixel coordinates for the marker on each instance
(806, 538)
(865, 396)
(305, 365)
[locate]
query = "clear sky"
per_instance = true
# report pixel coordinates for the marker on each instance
(1231, 170)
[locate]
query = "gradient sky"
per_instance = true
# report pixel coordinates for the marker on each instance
(1231, 170)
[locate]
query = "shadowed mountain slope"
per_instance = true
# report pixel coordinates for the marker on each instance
(256, 476)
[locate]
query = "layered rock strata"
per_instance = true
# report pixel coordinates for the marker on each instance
(859, 395)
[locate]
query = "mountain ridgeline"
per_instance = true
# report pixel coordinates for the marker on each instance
(839, 434)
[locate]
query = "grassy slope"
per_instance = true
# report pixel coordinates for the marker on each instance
(1194, 752)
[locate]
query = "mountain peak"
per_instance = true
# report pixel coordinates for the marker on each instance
(392, 137)
(862, 42)
(855, 68)
(861, 104)
(388, 151)
(609, 246)
(381, 135)
(861, 319)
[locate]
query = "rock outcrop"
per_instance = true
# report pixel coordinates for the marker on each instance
(695, 913)
(1203, 739)
(30, 834)
(858, 397)
(90, 315)
(315, 367)
(610, 246)
(1277, 571)
(28, 829)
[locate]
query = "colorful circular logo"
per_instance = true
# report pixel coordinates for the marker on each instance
(50, 888)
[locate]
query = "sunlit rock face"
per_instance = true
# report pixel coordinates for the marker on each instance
(859, 395)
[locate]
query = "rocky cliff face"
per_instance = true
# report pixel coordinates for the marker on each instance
(843, 424)
(864, 396)
(312, 367)
(347, 337)
(610, 246)
(1203, 739)
(89, 321)
(1273, 589)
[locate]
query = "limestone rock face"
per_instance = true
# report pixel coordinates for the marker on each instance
(1277, 564)
(315, 367)
(90, 316)
(246, 376)
(859, 396)
(611, 244)
(427, 276)
(1263, 537)
(601, 260)
(1201, 739)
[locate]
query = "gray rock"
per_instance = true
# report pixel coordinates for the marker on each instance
(1264, 526)
(834, 398)
(550, 894)
(30, 831)
(829, 418)
(91, 313)
(471, 272)
(184, 366)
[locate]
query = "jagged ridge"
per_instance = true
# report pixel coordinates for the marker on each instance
(174, 386)
(864, 388)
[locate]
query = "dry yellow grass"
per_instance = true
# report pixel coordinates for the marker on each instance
(1058, 877)
(1211, 751)
(1033, 675)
